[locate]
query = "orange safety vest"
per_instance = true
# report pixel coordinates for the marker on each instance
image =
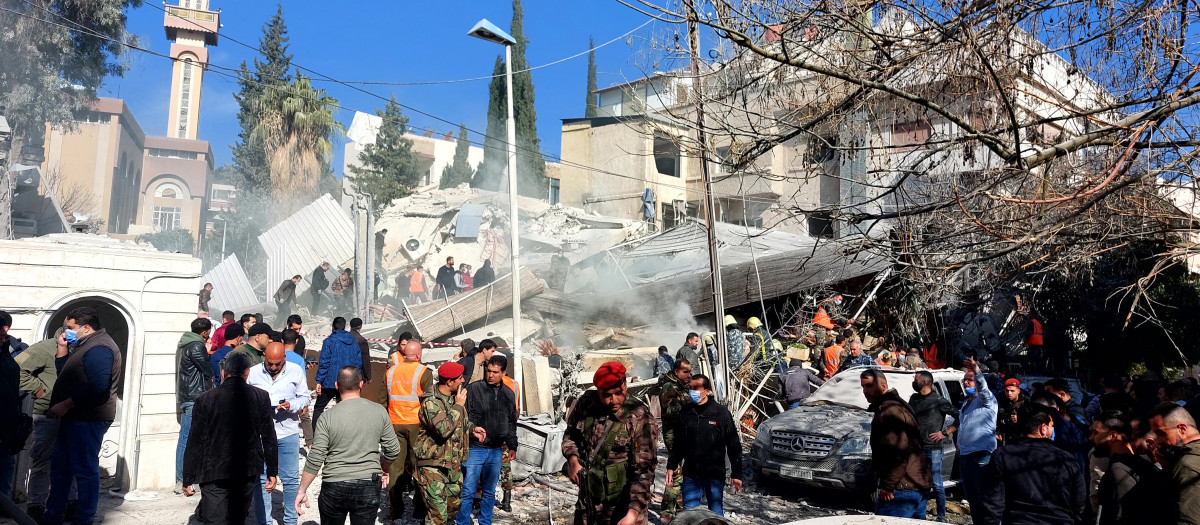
(833, 360)
(1035, 337)
(822, 318)
(508, 382)
(395, 358)
(416, 283)
(404, 391)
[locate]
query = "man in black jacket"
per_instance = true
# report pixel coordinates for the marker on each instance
(285, 297)
(318, 284)
(493, 406)
(1033, 481)
(798, 382)
(1131, 486)
(234, 438)
(445, 280)
(896, 451)
(705, 438)
(931, 410)
(193, 376)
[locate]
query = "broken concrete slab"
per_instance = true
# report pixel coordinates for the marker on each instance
(434, 319)
(538, 380)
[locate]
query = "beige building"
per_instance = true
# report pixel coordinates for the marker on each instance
(105, 166)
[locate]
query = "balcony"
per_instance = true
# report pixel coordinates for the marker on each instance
(195, 20)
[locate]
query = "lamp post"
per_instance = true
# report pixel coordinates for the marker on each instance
(486, 30)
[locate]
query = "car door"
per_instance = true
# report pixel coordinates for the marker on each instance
(951, 389)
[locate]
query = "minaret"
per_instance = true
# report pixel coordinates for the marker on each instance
(191, 27)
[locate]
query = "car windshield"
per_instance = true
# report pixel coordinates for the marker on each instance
(844, 389)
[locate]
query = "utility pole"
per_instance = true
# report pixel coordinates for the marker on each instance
(710, 212)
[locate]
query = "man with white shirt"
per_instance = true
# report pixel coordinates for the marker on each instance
(286, 384)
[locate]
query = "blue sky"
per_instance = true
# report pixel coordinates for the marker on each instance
(394, 42)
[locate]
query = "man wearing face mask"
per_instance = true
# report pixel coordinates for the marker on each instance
(896, 453)
(1129, 489)
(976, 432)
(1178, 443)
(829, 316)
(1032, 481)
(706, 437)
(931, 410)
(84, 399)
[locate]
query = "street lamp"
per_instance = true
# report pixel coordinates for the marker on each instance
(485, 30)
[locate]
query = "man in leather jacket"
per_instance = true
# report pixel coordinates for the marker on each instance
(193, 376)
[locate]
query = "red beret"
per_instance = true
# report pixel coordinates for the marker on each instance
(1012, 382)
(450, 370)
(609, 375)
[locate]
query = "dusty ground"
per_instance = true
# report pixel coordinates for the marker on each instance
(534, 502)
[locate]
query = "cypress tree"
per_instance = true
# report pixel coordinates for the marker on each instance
(590, 109)
(531, 167)
(495, 143)
(460, 171)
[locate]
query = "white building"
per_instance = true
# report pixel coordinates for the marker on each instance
(146, 299)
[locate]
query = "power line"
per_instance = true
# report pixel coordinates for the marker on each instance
(234, 74)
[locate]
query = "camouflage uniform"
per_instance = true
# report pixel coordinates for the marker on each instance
(834, 311)
(632, 455)
(506, 480)
(441, 450)
(672, 395)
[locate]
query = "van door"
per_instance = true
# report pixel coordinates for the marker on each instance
(952, 390)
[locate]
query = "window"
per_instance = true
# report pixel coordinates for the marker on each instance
(168, 191)
(554, 191)
(222, 194)
(166, 218)
(722, 160)
(666, 155)
(820, 226)
(911, 134)
(173, 154)
(185, 98)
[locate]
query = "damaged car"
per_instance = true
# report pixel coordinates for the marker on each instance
(826, 441)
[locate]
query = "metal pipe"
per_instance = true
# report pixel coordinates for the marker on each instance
(514, 220)
(871, 295)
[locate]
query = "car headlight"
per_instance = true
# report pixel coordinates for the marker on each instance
(858, 445)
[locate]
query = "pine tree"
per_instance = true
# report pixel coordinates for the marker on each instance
(272, 70)
(460, 171)
(389, 168)
(531, 167)
(590, 109)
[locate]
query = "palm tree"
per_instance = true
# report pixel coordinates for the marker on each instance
(295, 126)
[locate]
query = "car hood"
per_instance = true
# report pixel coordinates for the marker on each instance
(829, 420)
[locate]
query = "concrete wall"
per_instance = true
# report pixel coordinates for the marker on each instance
(155, 296)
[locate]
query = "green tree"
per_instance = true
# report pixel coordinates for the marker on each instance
(273, 70)
(53, 56)
(590, 108)
(389, 168)
(495, 149)
(531, 167)
(295, 126)
(460, 171)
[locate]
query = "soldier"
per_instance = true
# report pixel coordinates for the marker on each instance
(672, 391)
(611, 446)
(442, 444)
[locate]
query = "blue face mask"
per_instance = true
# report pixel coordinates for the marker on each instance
(695, 394)
(838, 302)
(71, 336)
(1051, 433)
(970, 391)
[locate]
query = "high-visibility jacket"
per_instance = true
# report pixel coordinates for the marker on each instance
(404, 389)
(833, 360)
(395, 358)
(822, 318)
(1035, 336)
(508, 382)
(416, 283)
